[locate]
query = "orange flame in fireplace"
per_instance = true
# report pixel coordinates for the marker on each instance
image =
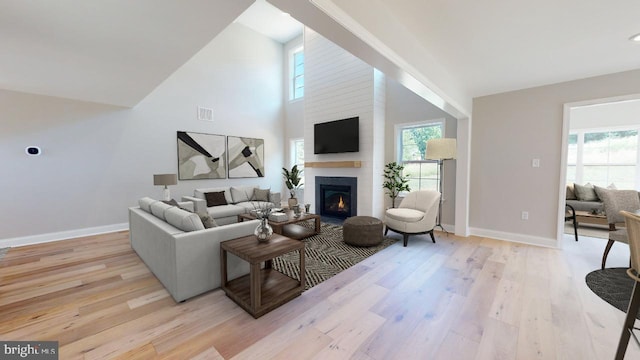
(340, 203)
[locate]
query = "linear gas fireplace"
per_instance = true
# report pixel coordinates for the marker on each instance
(337, 197)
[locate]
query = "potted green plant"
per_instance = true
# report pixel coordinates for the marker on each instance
(394, 182)
(293, 181)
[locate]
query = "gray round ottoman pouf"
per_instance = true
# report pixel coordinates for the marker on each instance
(362, 231)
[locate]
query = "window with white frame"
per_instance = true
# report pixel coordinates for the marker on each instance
(412, 145)
(297, 153)
(296, 74)
(603, 157)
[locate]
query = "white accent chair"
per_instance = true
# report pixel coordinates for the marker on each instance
(416, 214)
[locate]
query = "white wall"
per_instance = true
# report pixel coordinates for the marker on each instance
(338, 85)
(622, 113)
(511, 129)
(404, 106)
(98, 160)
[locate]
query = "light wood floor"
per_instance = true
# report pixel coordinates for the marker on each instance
(461, 298)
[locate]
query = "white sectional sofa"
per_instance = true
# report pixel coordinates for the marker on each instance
(179, 251)
(239, 200)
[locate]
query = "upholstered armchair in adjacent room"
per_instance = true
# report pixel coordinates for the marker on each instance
(615, 201)
(416, 215)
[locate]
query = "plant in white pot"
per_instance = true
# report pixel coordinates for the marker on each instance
(293, 180)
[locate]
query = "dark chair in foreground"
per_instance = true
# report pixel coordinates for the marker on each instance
(570, 215)
(416, 214)
(633, 228)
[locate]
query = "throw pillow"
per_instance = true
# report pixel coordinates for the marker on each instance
(261, 195)
(215, 198)
(207, 221)
(571, 194)
(172, 202)
(241, 194)
(585, 192)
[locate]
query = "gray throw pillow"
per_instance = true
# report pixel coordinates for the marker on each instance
(585, 192)
(215, 198)
(261, 195)
(171, 202)
(207, 221)
(571, 195)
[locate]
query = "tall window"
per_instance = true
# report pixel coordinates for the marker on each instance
(412, 146)
(297, 153)
(604, 156)
(296, 86)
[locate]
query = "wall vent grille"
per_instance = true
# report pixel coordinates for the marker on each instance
(205, 114)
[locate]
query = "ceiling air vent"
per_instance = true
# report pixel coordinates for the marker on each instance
(205, 114)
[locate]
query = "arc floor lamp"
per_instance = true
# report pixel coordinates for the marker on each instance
(441, 150)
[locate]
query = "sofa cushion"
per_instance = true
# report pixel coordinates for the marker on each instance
(158, 208)
(183, 220)
(585, 192)
(216, 198)
(586, 205)
(255, 205)
(405, 214)
(145, 203)
(222, 211)
(242, 193)
(260, 195)
(571, 194)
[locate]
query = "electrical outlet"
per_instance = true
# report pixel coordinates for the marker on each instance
(535, 163)
(525, 215)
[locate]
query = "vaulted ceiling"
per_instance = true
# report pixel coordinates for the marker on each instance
(116, 52)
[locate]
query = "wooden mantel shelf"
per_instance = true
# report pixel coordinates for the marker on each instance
(333, 164)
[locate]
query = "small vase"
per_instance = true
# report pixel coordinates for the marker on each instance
(263, 231)
(292, 202)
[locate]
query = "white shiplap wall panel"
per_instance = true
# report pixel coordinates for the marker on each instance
(338, 85)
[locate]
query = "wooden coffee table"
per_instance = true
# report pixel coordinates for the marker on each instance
(263, 289)
(589, 218)
(290, 227)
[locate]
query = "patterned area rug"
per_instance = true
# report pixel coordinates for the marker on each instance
(612, 285)
(325, 256)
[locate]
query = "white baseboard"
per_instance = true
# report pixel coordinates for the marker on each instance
(62, 235)
(514, 237)
(447, 228)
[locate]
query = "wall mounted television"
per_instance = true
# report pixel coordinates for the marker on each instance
(339, 136)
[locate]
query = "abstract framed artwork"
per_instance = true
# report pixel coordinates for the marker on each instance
(201, 156)
(246, 157)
